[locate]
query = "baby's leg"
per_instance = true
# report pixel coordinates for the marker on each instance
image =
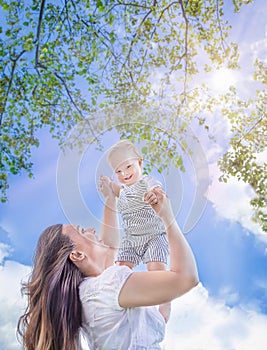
(126, 255)
(156, 265)
(164, 309)
(126, 263)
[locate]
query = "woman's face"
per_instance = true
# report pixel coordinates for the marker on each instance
(85, 239)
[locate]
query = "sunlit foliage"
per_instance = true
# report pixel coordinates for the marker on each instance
(63, 60)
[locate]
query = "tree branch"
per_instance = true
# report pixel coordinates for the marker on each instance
(41, 13)
(185, 44)
(3, 107)
(219, 24)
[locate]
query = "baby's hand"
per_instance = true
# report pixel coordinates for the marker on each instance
(105, 186)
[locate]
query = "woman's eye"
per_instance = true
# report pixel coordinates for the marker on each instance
(128, 166)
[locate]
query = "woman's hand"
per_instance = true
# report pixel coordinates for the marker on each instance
(160, 202)
(150, 198)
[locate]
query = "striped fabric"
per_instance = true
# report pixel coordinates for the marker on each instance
(145, 239)
(144, 249)
(138, 217)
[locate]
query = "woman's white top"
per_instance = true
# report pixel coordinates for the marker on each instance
(111, 327)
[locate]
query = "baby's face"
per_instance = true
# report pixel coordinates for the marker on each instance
(129, 172)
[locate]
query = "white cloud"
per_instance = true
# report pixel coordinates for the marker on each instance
(199, 322)
(259, 47)
(5, 250)
(261, 157)
(231, 201)
(230, 296)
(12, 304)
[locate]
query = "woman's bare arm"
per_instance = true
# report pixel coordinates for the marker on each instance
(110, 233)
(116, 188)
(157, 287)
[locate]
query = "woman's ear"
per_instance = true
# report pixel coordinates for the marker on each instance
(76, 256)
(140, 161)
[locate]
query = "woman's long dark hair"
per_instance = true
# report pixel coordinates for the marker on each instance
(53, 315)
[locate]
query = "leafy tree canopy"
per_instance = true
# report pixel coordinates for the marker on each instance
(248, 143)
(63, 60)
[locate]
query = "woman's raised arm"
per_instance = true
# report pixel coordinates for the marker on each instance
(110, 232)
(158, 287)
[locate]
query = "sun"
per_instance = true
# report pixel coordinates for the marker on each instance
(222, 79)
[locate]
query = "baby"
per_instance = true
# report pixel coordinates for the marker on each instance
(144, 237)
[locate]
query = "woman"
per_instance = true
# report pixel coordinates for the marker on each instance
(75, 288)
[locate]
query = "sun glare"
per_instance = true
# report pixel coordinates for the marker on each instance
(222, 79)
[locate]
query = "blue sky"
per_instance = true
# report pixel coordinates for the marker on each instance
(228, 310)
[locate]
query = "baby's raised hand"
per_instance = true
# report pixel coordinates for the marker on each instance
(105, 186)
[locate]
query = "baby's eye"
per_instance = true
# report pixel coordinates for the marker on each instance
(118, 171)
(128, 166)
